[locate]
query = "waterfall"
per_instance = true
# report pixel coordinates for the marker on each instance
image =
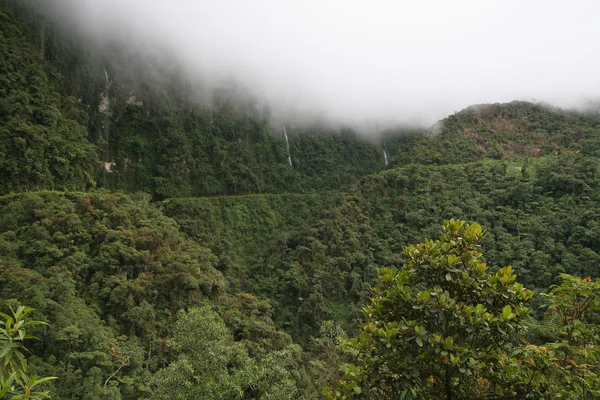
(385, 157)
(107, 83)
(104, 108)
(287, 145)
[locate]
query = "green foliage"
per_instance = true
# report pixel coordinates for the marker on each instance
(210, 365)
(315, 256)
(541, 212)
(325, 359)
(108, 272)
(43, 141)
(559, 359)
(242, 229)
(14, 378)
(572, 368)
(66, 101)
(438, 326)
(282, 251)
(499, 131)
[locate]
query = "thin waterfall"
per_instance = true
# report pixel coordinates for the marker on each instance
(107, 82)
(104, 108)
(287, 146)
(386, 158)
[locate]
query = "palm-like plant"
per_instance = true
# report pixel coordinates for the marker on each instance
(15, 383)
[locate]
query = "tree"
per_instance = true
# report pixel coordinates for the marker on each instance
(437, 327)
(575, 304)
(14, 377)
(210, 365)
(563, 359)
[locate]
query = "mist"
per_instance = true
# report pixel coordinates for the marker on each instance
(356, 61)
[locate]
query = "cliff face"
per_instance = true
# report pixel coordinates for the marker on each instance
(151, 124)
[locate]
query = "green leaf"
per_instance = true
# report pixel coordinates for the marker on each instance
(449, 342)
(42, 380)
(507, 312)
(419, 341)
(28, 323)
(479, 309)
(6, 317)
(7, 347)
(7, 385)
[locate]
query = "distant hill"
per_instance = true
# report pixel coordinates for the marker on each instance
(500, 131)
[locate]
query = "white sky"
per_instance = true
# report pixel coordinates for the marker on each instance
(378, 60)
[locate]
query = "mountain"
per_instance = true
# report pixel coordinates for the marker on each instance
(124, 129)
(144, 222)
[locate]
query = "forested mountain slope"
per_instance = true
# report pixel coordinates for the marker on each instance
(108, 273)
(542, 214)
(152, 127)
(75, 105)
(499, 131)
(305, 259)
(175, 245)
(44, 141)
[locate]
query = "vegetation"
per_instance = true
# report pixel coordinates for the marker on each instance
(109, 275)
(211, 365)
(200, 263)
(14, 378)
(44, 143)
(69, 107)
(499, 131)
(541, 215)
(443, 327)
(438, 327)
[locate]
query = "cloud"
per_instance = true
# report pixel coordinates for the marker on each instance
(370, 60)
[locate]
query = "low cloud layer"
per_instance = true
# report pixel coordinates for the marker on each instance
(393, 61)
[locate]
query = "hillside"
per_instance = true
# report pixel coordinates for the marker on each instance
(79, 108)
(184, 248)
(153, 135)
(499, 131)
(305, 258)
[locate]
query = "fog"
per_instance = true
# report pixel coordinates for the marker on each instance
(397, 61)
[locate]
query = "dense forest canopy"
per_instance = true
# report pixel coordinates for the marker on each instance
(172, 248)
